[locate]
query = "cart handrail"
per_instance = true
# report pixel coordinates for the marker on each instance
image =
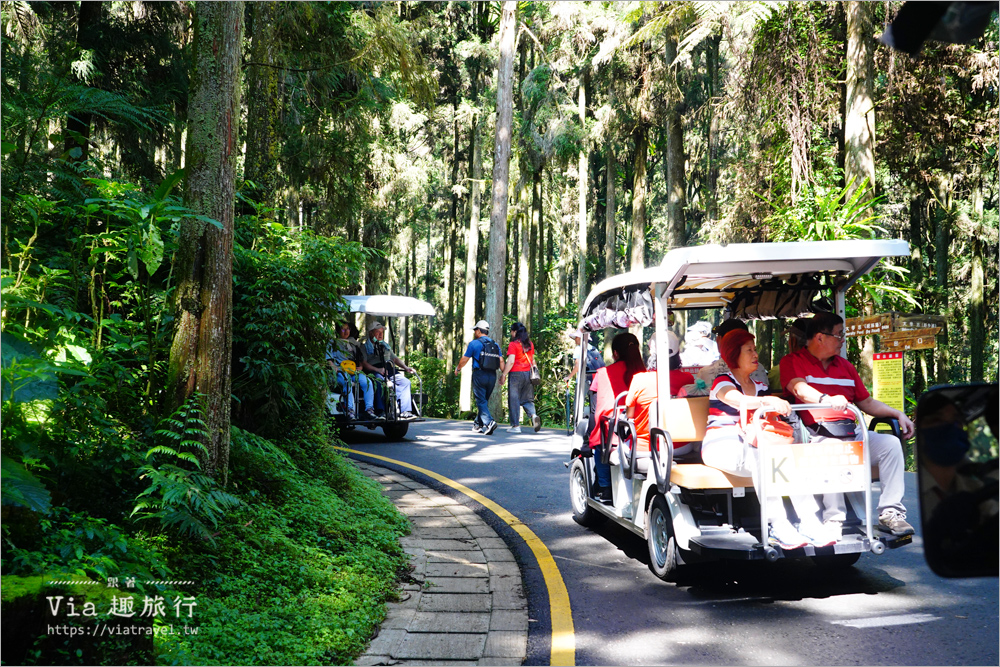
(762, 446)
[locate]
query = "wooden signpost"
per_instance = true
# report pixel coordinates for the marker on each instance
(897, 334)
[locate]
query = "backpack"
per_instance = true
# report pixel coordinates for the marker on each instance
(489, 358)
(594, 359)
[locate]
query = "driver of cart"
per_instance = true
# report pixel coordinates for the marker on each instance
(724, 448)
(380, 358)
(818, 374)
(642, 394)
(346, 348)
(609, 382)
(594, 358)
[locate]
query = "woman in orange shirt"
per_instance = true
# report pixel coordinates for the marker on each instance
(608, 383)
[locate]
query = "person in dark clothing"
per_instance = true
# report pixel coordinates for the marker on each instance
(481, 351)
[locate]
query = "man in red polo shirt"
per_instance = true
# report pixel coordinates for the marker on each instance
(818, 374)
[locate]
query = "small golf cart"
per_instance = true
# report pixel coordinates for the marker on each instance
(383, 306)
(687, 511)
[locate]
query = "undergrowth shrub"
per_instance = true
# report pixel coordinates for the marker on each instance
(300, 574)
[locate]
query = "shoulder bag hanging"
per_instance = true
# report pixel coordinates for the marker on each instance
(535, 375)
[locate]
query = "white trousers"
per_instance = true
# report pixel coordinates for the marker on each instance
(403, 392)
(885, 452)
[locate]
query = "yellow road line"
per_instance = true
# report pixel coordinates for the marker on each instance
(563, 637)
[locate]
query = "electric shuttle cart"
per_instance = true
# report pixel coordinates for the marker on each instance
(393, 426)
(689, 512)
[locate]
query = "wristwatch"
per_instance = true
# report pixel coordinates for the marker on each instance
(822, 396)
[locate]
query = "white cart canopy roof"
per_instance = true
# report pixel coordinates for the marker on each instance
(710, 276)
(389, 305)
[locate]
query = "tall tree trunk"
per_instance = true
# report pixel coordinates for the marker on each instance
(521, 247)
(859, 123)
(471, 265)
(496, 269)
(942, 243)
(638, 257)
(610, 229)
(263, 105)
(582, 184)
(676, 185)
(452, 330)
(977, 312)
(90, 21)
(537, 306)
(201, 353)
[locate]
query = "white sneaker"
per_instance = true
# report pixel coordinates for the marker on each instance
(818, 534)
(514, 429)
(536, 422)
(784, 535)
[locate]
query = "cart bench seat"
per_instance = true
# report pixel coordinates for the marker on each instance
(700, 476)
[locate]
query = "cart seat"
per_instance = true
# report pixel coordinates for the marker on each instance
(700, 476)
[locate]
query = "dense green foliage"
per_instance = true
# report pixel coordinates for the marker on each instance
(364, 180)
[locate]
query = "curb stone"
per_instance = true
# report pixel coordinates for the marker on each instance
(470, 608)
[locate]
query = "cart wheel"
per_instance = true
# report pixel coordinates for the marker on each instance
(583, 514)
(837, 561)
(395, 430)
(660, 539)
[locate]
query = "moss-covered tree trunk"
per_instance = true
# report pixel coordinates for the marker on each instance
(263, 105)
(676, 187)
(859, 123)
(496, 266)
(200, 355)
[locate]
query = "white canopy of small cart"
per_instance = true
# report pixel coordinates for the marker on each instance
(389, 305)
(712, 274)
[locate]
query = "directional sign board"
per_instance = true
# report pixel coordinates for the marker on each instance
(867, 326)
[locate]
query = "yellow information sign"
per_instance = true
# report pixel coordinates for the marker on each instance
(887, 384)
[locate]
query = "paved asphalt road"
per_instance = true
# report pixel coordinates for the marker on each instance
(886, 610)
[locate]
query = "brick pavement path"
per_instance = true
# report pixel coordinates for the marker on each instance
(466, 605)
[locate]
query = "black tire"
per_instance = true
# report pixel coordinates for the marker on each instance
(395, 430)
(660, 539)
(583, 514)
(837, 561)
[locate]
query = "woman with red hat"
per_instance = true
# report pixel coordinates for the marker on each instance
(723, 446)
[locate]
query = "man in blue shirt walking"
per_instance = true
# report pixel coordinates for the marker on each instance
(486, 361)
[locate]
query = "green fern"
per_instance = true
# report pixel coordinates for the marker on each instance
(180, 498)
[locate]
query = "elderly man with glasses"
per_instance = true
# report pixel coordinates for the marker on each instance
(818, 374)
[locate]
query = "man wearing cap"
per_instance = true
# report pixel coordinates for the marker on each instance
(483, 381)
(699, 349)
(594, 358)
(818, 374)
(380, 357)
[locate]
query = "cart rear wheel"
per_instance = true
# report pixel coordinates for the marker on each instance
(395, 430)
(837, 561)
(583, 514)
(660, 539)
